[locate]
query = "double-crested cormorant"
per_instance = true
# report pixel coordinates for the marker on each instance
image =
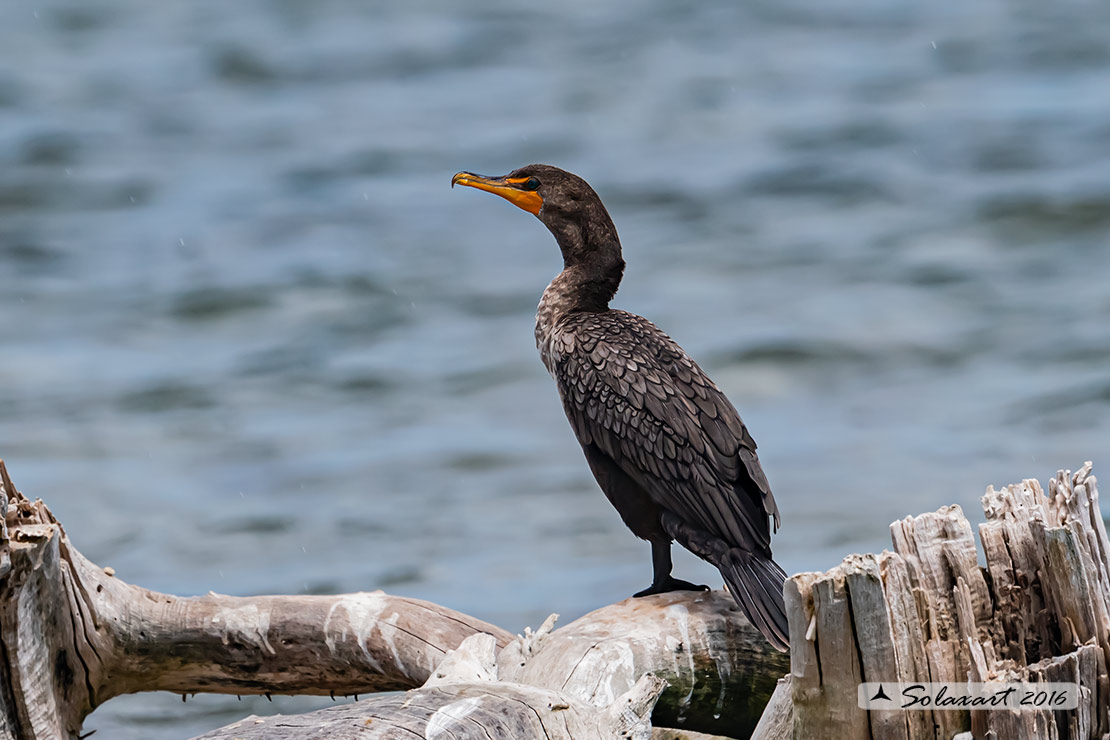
(663, 442)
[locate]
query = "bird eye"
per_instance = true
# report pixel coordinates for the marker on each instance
(531, 184)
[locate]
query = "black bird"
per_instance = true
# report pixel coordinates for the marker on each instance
(663, 442)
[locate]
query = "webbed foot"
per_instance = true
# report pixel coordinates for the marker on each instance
(669, 584)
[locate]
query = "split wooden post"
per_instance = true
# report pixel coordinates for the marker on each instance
(1039, 611)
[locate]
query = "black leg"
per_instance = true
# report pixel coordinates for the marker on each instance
(660, 561)
(661, 565)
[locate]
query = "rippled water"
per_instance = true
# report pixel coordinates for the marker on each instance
(253, 342)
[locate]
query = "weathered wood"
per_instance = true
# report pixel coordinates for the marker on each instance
(75, 635)
(465, 699)
(907, 628)
(834, 712)
(928, 613)
(805, 672)
(777, 722)
(669, 733)
(871, 625)
(719, 669)
(450, 712)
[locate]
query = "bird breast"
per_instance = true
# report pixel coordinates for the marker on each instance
(555, 303)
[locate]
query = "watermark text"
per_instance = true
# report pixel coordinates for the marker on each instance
(964, 696)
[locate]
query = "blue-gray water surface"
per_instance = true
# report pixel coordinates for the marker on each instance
(253, 342)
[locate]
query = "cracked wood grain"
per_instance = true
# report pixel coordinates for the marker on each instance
(1038, 611)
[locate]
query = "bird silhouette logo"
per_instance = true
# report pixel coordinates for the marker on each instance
(880, 694)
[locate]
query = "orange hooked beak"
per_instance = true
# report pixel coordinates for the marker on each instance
(509, 188)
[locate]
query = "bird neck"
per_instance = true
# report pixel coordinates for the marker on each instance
(592, 262)
(583, 287)
(578, 288)
(589, 280)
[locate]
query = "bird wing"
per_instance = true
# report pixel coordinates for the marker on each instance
(630, 390)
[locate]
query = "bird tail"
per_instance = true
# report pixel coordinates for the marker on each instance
(756, 583)
(753, 579)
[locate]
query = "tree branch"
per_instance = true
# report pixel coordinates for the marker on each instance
(73, 635)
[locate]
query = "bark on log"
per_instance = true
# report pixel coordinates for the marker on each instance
(929, 612)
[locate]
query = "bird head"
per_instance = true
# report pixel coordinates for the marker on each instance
(563, 201)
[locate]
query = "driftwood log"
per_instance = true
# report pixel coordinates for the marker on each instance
(465, 699)
(73, 635)
(928, 611)
(719, 670)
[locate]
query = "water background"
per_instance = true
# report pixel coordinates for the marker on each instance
(252, 341)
